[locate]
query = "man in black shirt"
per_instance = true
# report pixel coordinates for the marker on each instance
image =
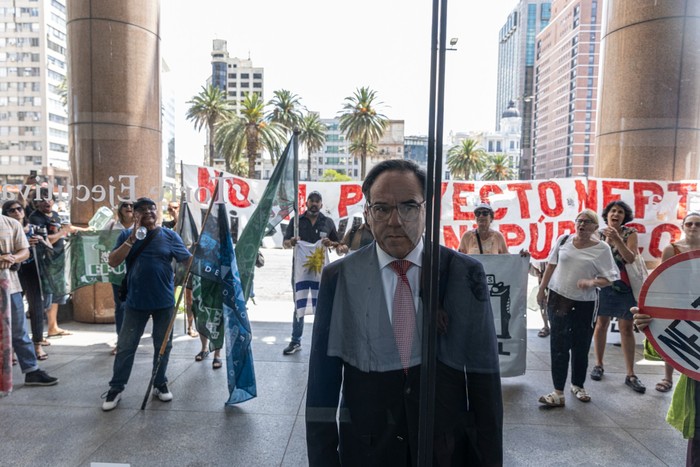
(313, 226)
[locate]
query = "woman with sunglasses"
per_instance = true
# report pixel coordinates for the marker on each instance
(124, 220)
(577, 265)
(681, 404)
(483, 240)
(29, 277)
(616, 300)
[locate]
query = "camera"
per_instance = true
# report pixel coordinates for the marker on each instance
(39, 231)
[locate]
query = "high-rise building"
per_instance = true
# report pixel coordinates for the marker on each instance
(235, 76)
(167, 109)
(566, 83)
(33, 117)
(516, 62)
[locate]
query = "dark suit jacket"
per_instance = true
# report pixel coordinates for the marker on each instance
(379, 409)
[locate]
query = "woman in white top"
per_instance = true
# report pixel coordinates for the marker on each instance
(577, 266)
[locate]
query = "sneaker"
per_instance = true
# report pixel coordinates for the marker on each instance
(112, 398)
(292, 348)
(39, 378)
(162, 393)
(597, 373)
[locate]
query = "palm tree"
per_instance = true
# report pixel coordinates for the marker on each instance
(285, 110)
(206, 109)
(361, 122)
(248, 134)
(313, 136)
(498, 168)
(466, 159)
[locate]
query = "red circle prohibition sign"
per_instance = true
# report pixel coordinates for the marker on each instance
(671, 295)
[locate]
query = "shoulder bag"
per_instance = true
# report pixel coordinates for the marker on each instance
(637, 273)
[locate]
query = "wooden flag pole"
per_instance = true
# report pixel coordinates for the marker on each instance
(169, 330)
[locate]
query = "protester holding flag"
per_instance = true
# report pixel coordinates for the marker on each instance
(150, 294)
(313, 226)
(124, 220)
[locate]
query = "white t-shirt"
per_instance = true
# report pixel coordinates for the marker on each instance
(574, 264)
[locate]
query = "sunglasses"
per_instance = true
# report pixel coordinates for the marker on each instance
(692, 224)
(17, 209)
(483, 213)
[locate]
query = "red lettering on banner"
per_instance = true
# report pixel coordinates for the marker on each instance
(535, 252)
(450, 237)
(301, 197)
(349, 195)
(204, 180)
(682, 189)
(459, 202)
(443, 189)
(656, 235)
(485, 190)
(520, 189)
(238, 191)
(513, 233)
(641, 229)
(587, 199)
(565, 227)
(641, 199)
(609, 186)
(558, 208)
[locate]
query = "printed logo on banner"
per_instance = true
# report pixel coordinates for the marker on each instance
(671, 295)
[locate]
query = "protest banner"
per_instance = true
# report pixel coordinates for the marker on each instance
(671, 296)
(530, 214)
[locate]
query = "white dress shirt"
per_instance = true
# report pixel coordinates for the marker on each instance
(390, 279)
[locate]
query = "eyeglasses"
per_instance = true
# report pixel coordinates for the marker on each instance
(408, 212)
(482, 212)
(17, 209)
(692, 224)
(584, 221)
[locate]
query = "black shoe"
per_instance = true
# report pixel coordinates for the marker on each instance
(635, 384)
(39, 378)
(597, 373)
(112, 398)
(292, 348)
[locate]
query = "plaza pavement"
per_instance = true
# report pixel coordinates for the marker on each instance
(65, 426)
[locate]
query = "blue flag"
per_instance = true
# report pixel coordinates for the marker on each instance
(215, 261)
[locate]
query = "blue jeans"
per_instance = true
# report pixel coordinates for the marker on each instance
(21, 343)
(129, 337)
(297, 328)
(118, 308)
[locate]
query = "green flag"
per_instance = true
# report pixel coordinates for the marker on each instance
(277, 202)
(89, 253)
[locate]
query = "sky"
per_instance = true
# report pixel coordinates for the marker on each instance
(323, 50)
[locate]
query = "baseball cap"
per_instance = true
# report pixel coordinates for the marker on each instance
(315, 193)
(485, 206)
(143, 202)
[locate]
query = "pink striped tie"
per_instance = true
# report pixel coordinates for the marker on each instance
(403, 314)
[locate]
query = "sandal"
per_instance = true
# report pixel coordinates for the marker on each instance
(201, 356)
(544, 332)
(42, 356)
(552, 400)
(597, 373)
(192, 332)
(636, 385)
(580, 394)
(216, 363)
(664, 385)
(43, 343)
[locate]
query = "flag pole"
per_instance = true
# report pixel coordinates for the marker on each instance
(169, 330)
(295, 143)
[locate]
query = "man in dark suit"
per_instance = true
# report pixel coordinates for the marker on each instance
(367, 340)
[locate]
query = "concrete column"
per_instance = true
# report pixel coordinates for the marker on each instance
(649, 96)
(114, 111)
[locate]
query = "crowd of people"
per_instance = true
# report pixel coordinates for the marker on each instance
(583, 285)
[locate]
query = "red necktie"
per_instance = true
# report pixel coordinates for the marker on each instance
(403, 313)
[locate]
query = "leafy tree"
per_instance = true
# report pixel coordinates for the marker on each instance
(285, 110)
(207, 109)
(362, 124)
(498, 168)
(313, 136)
(466, 159)
(330, 175)
(248, 134)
